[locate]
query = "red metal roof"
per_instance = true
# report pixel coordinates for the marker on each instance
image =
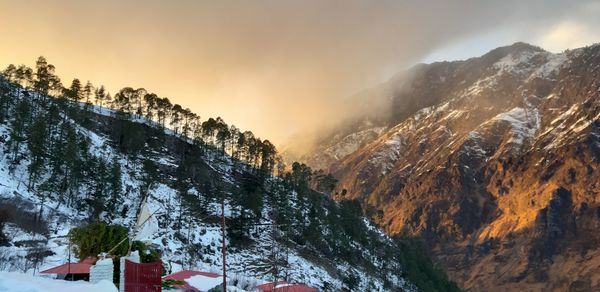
(269, 286)
(186, 274)
(69, 268)
(89, 260)
(285, 287)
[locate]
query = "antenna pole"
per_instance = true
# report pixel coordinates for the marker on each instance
(224, 249)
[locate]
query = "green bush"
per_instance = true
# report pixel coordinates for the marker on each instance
(98, 237)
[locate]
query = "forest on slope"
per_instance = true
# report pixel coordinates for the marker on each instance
(77, 155)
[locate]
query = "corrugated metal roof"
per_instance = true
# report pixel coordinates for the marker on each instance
(69, 268)
(186, 274)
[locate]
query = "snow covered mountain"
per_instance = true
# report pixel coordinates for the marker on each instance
(65, 164)
(494, 161)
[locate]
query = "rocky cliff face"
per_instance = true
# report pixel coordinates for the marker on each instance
(494, 161)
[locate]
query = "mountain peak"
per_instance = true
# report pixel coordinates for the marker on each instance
(515, 49)
(523, 46)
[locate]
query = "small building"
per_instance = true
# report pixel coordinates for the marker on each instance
(284, 286)
(186, 275)
(72, 271)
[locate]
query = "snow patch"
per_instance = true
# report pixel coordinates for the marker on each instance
(17, 282)
(524, 121)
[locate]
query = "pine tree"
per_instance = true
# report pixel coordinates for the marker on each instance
(150, 102)
(36, 142)
(56, 87)
(223, 134)
(151, 174)
(74, 91)
(43, 76)
(18, 126)
(100, 95)
(70, 161)
(163, 110)
(109, 101)
(97, 202)
(24, 76)
(137, 100)
(123, 99)
(115, 185)
(10, 73)
(267, 155)
(5, 100)
(187, 122)
(176, 117)
(88, 89)
(208, 130)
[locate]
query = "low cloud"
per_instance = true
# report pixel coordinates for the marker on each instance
(275, 67)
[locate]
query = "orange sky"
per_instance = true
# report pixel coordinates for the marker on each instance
(273, 67)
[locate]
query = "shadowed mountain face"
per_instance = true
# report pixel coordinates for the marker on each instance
(494, 161)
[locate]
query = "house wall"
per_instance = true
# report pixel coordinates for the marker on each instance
(103, 270)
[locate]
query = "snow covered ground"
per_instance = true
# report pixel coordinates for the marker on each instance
(18, 282)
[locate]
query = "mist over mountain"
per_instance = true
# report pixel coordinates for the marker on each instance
(493, 161)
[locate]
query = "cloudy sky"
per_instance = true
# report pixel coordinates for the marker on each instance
(274, 67)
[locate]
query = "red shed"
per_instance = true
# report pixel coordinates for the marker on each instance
(73, 271)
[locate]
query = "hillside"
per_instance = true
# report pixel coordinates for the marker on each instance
(493, 161)
(73, 155)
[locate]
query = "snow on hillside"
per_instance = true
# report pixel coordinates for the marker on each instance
(570, 122)
(343, 146)
(352, 142)
(163, 202)
(388, 153)
(524, 122)
(516, 63)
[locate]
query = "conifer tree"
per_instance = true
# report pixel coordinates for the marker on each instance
(176, 117)
(100, 95)
(123, 99)
(223, 134)
(18, 126)
(187, 122)
(36, 142)
(151, 174)
(87, 92)
(74, 91)
(97, 202)
(24, 76)
(267, 155)
(150, 102)
(5, 100)
(10, 73)
(208, 130)
(115, 185)
(163, 110)
(137, 100)
(43, 76)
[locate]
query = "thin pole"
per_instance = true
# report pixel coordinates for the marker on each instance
(69, 261)
(224, 249)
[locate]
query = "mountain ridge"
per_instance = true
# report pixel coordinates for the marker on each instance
(484, 158)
